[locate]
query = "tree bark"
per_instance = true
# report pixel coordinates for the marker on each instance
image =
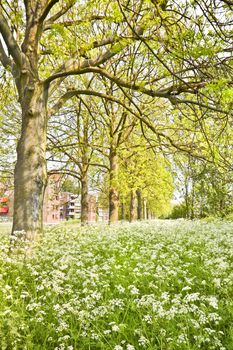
(139, 208)
(193, 195)
(145, 209)
(84, 199)
(123, 210)
(113, 190)
(133, 206)
(30, 176)
(186, 197)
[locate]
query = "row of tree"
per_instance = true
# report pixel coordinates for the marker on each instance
(161, 67)
(101, 145)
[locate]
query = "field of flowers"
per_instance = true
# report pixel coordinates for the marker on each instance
(161, 285)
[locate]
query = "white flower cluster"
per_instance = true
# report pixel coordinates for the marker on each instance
(164, 284)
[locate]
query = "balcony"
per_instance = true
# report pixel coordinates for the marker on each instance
(4, 210)
(4, 200)
(71, 205)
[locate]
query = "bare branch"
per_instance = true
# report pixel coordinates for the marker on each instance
(169, 94)
(60, 103)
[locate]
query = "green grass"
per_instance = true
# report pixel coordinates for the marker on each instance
(162, 285)
(5, 228)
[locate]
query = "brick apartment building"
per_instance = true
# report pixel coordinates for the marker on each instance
(6, 202)
(58, 205)
(70, 207)
(51, 208)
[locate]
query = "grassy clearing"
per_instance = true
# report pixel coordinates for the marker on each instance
(162, 285)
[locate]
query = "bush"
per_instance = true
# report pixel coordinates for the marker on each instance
(178, 211)
(229, 217)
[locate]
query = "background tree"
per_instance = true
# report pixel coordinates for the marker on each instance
(74, 139)
(145, 178)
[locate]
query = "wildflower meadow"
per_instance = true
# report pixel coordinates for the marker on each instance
(153, 285)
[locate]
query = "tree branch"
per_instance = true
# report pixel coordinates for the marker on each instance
(47, 9)
(74, 66)
(175, 100)
(72, 93)
(49, 24)
(123, 83)
(60, 13)
(10, 42)
(5, 60)
(64, 172)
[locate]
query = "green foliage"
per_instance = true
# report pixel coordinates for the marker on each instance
(229, 216)
(206, 189)
(70, 185)
(142, 169)
(179, 211)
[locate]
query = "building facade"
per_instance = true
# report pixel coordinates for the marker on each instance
(58, 205)
(52, 197)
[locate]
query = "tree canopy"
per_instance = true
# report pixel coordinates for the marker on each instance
(163, 68)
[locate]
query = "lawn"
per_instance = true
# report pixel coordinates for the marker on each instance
(5, 228)
(161, 285)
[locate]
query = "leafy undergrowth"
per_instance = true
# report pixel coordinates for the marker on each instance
(159, 285)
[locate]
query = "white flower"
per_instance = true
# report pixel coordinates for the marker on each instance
(133, 290)
(115, 328)
(130, 347)
(213, 301)
(120, 288)
(147, 319)
(181, 339)
(143, 341)
(186, 288)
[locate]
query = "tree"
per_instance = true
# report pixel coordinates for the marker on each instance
(73, 142)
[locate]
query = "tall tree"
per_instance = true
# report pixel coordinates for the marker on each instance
(145, 178)
(74, 139)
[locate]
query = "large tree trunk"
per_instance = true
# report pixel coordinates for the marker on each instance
(192, 202)
(30, 175)
(144, 209)
(139, 209)
(84, 199)
(123, 210)
(113, 188)
(133, 206)
(186, 197)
